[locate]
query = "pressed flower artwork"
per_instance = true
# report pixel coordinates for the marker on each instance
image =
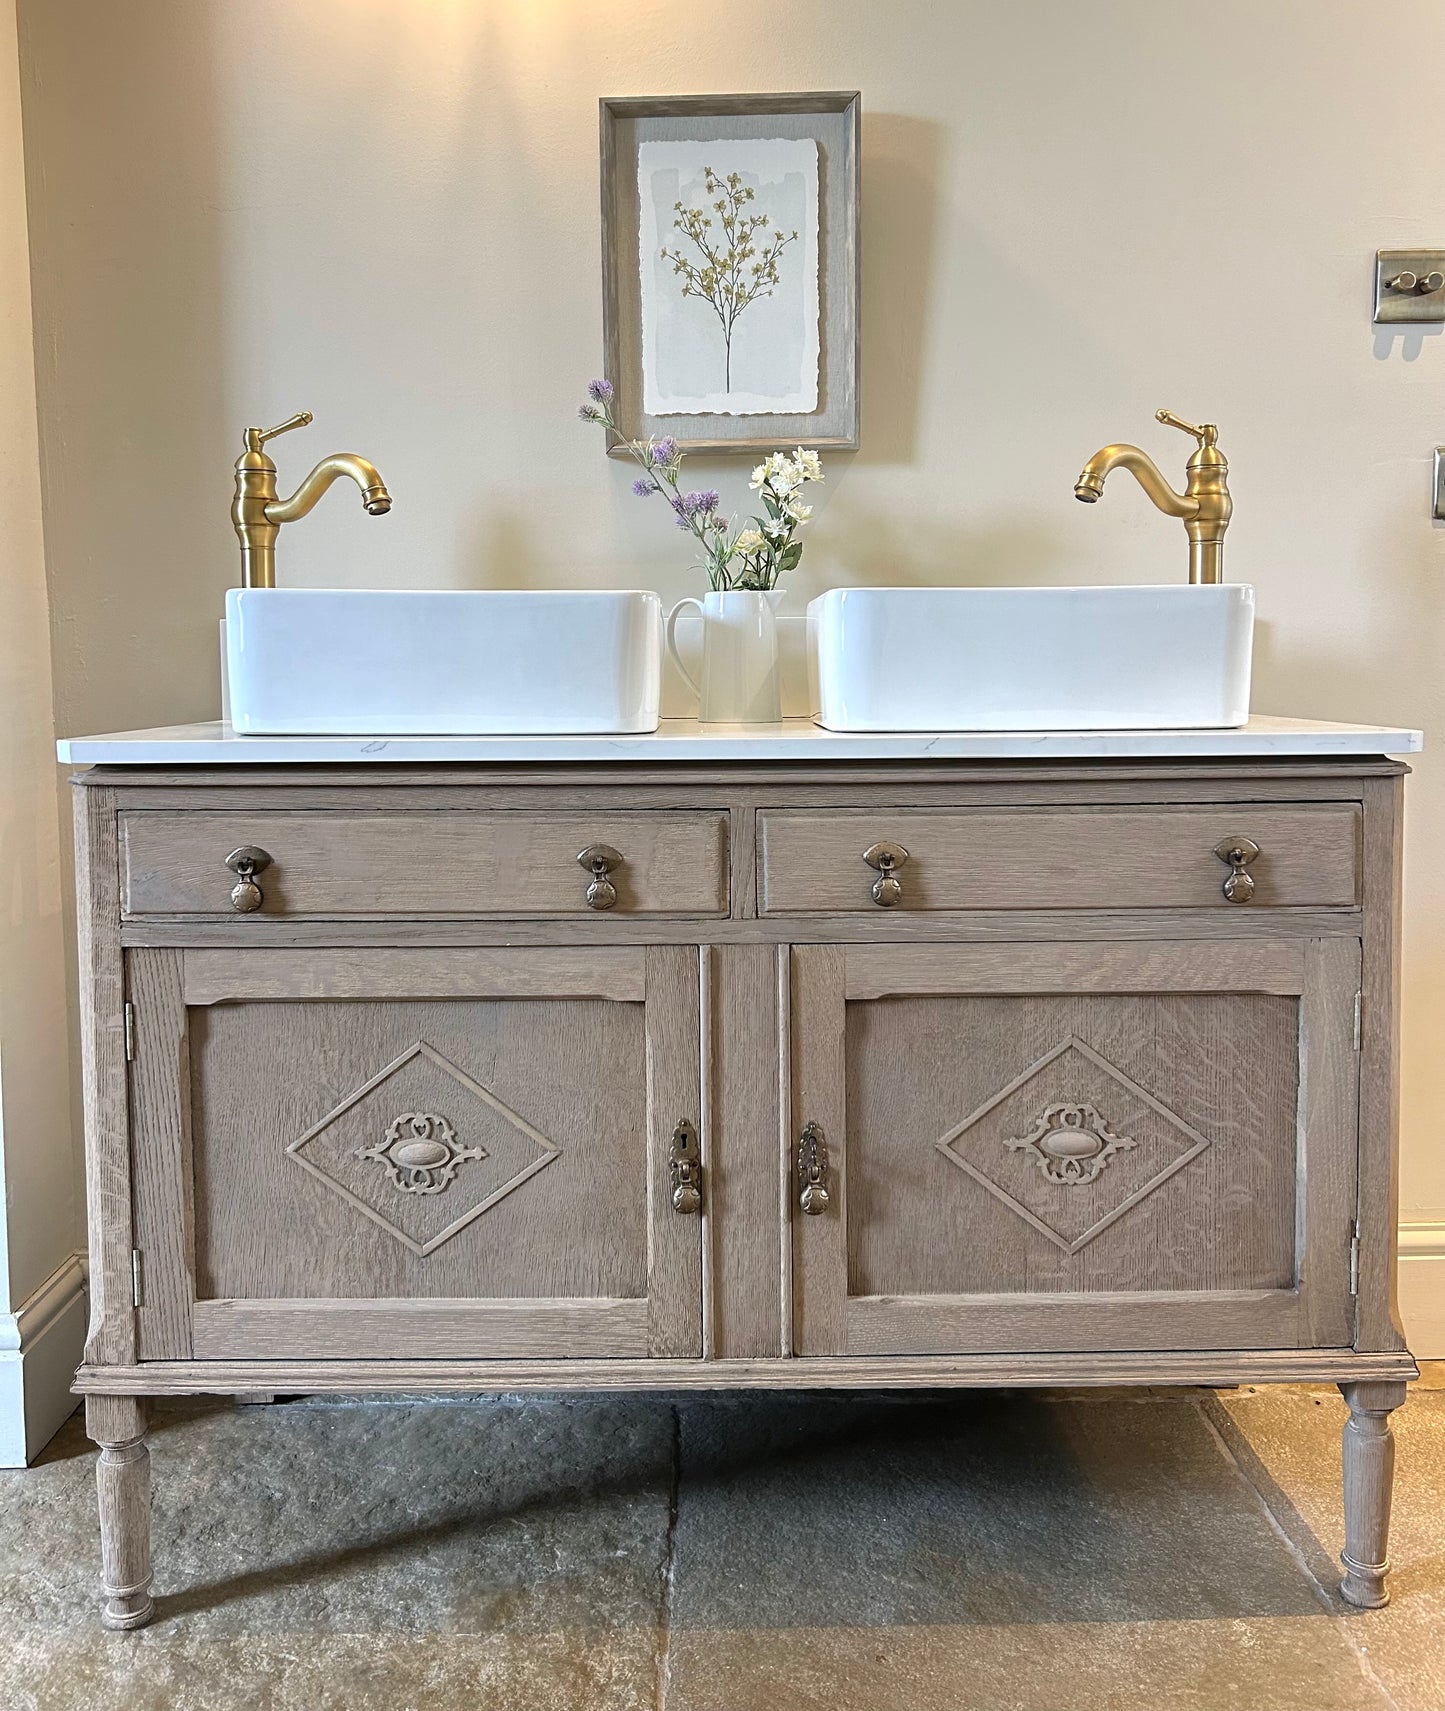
(728, 258)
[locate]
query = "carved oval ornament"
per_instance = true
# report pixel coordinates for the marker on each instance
(1071, 1143)
(420, 1152)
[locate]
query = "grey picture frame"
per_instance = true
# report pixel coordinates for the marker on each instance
(834, 120)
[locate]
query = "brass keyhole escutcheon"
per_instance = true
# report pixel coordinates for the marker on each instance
(1238, 853)
(886, 858)
(685, 1168)
(246, 863)
(599, 860)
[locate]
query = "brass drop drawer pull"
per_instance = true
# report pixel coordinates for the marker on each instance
(887, 888)
(686, 1169)
(1238, 853)
(246, 863)
(813, 1171)
(599, 860)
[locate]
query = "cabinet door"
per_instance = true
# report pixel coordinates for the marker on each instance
(414, 1153)
(1076, 1146)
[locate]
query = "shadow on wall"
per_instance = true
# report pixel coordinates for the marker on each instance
(882, 550)
(901, 166)
(132, 415)
(1402, 624)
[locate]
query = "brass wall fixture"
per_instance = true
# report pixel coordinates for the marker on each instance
(1238, 853)
(886, 858)
(258, 514)
(1409, 287)
(1204, 505)
(599, 860)
(246, 863)
(686, 1170)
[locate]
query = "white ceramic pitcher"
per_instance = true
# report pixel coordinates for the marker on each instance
(739, 657)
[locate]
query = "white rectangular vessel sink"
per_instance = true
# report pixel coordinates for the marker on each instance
(361, 662)
(1031, 659)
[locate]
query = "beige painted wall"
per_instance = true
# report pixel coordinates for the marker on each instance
(42, 1287)
(38, 1219)
(385, 211)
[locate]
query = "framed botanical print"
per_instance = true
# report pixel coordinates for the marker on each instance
(730, 269)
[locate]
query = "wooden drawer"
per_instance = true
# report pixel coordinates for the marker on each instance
(455, 863)
(1058, 858)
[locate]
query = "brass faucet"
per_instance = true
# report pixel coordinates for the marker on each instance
(258, 514)
(1204, 504)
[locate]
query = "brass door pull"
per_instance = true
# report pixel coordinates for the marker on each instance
(1238, 853)
(246, 863)
(599, 860)
(813, 1171)
(686, 1170)
(886, 858)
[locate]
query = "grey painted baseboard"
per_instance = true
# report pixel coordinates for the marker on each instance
(40, 1347)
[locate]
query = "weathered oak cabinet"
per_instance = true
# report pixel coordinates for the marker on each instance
(712, 1075)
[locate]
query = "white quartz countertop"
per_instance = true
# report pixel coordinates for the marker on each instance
(214, 744)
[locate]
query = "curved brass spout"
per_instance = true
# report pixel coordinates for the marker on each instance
(258, 514)
(1090, 485)
(374, 495)
(1204, 505)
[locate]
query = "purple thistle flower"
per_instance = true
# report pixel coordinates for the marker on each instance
(600, 391)
(589, 413)
(643, 488)
(707, 501)
(665, 451)
(698, 504)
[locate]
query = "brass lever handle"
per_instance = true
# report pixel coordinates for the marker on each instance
(1238, 853)
(1207, 434)
(685, 1167)
(257, 437)
(886, 858)
(599, 860)
(813, 1197)
(246, 863)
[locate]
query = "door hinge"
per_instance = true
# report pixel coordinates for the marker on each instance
(1355, 1259)
(130, 1033)
(137, 1279)
(1359, 1016)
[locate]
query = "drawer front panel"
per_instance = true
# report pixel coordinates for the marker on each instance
(1043, 858)
(454, 863)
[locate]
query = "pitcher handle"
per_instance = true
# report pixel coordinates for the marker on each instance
(672, 617)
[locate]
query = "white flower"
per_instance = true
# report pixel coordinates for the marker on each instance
(749, 541)
(810, 465)
(785, 478)
(799, 513)
(760, 475)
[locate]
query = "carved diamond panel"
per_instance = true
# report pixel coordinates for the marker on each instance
(1072, 1144)
(422, 1149)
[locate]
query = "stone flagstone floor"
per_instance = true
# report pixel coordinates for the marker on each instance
(1008, 1551)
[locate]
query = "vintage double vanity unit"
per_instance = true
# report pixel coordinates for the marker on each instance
(699, 1061)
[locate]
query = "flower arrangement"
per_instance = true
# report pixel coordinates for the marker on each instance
(753, 557)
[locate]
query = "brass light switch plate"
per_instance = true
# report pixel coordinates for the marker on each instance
(1410, 287)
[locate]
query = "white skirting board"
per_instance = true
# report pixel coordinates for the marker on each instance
(1422, 1288)
(41, 1344)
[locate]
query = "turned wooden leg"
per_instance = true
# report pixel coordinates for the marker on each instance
(1369, 1455)
(123, 1479)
